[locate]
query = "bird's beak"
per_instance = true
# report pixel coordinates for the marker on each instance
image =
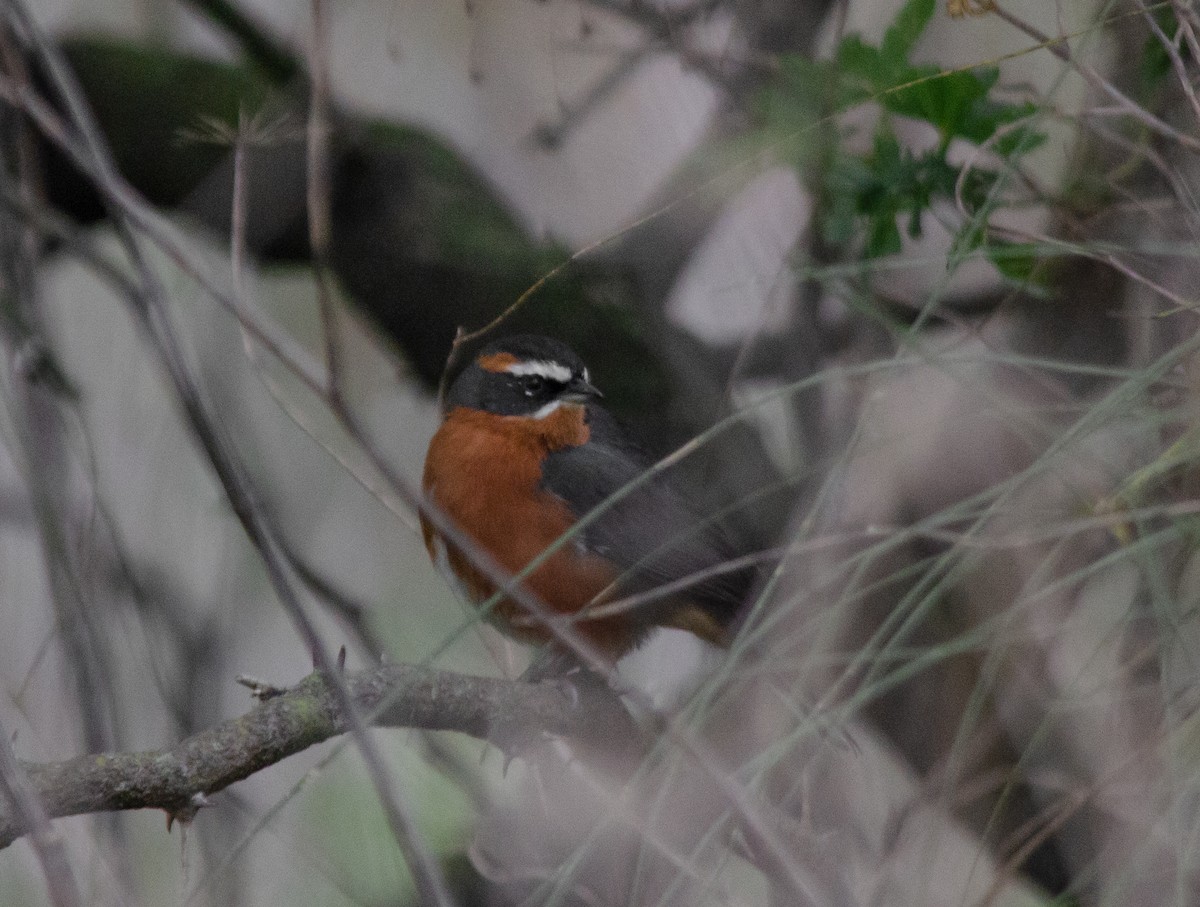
(580, 390)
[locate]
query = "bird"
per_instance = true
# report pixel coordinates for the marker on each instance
(524, 452)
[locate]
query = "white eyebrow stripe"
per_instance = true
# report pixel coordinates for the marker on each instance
(551, 371)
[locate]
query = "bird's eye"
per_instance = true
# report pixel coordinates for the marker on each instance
(533, 384)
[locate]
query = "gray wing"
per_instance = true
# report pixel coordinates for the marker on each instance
(651, 533)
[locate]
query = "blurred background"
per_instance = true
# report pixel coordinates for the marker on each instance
(918, 279)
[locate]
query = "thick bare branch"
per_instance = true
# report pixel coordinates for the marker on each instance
(177, 779)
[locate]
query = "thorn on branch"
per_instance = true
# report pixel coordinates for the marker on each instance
(260, 689)
(288, 721)
(186, 813)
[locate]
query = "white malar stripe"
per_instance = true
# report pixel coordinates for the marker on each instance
(551, 371)
(544, 411)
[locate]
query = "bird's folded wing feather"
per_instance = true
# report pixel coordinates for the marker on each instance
(650, 532)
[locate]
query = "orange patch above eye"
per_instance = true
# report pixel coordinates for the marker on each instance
(497, 362)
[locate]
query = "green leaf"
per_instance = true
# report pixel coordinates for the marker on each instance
(857, 58)
(954, 103)
(1019, 141)
(870, 201)
(883, 238)
(839, 220)
(910, 23)
(1016, 261)
(1155, 63)
(801, 94)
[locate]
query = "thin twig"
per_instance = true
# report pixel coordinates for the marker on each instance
(318, 193)
(427, 875)
(352, 613)
(1110, 258)
(550, 135)
(27, 812)
(150, 310)
(119, 195)
(1061, 49)
(1177, 64)
(272, 57)
(1189, 23)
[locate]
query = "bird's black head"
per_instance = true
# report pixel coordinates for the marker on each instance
(522, 375)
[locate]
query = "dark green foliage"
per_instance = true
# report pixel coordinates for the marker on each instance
(1018, 262)
(172, 94)
(1155, 62)
(867, 199)
(426, 245)
(420, 240)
